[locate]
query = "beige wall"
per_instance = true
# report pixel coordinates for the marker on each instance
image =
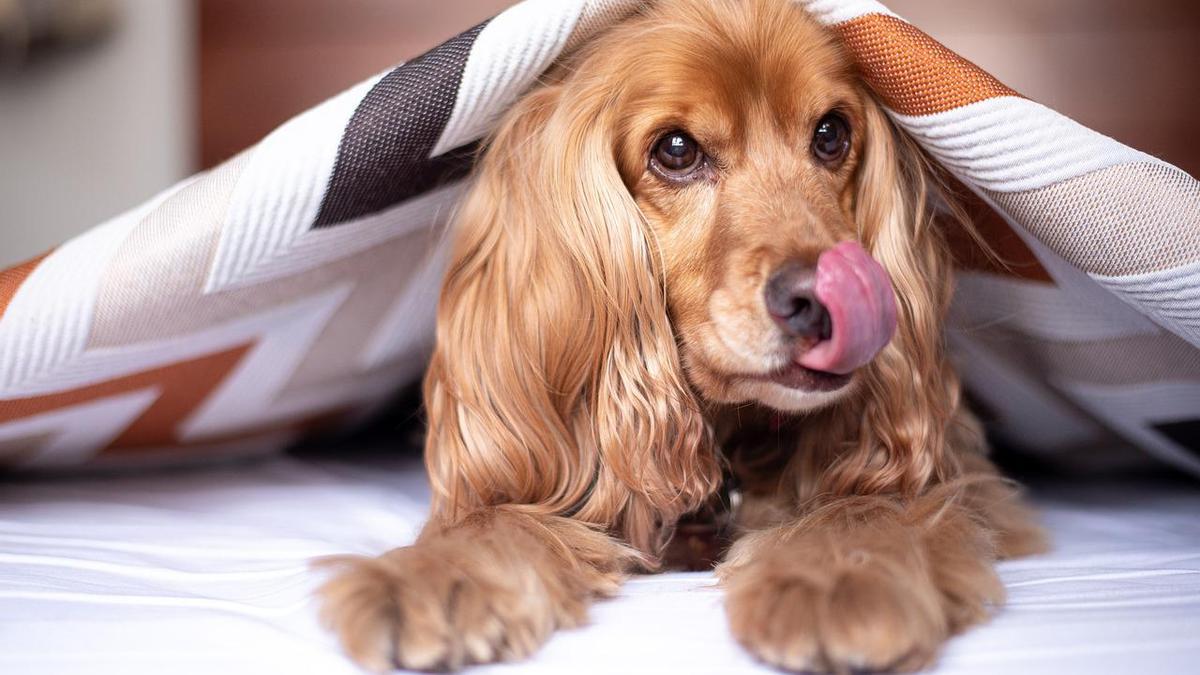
(86, 135)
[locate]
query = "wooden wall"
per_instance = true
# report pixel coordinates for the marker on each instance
(263, 61)
(1128, 68)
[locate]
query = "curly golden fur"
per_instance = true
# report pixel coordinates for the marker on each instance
(602, 347)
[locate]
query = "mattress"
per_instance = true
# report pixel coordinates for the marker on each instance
(206, 571)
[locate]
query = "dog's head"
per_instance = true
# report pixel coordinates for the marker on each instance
(746, 139)
(705, 207)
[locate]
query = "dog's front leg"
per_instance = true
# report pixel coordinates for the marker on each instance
(490, 587)
(873, 582)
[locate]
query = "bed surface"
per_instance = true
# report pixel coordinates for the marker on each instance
(204, 571)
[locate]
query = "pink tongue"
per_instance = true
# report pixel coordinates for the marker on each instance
(858, 295)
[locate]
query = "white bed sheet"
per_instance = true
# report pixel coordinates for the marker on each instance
(205, 572)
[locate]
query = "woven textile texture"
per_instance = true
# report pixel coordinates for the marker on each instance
(294, 287)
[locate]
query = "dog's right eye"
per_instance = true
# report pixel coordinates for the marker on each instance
(831, 139)
(676, 155)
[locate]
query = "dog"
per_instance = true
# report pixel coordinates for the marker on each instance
(698, 251)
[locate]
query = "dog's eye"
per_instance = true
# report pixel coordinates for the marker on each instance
(677, 154)
(831, 139)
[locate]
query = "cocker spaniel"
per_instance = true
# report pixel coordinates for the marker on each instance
(698, 252)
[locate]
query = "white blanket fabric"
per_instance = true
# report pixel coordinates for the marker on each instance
(205, 572)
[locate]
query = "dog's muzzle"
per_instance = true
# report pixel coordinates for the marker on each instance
(842, 313)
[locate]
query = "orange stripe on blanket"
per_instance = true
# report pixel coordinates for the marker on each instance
(913, 73)
(12, 278)
(182, 387)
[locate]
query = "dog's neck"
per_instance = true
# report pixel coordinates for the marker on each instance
(757, 442)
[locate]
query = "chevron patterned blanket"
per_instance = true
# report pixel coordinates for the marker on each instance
(294, 286)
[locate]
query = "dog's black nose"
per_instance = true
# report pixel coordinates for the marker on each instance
(792, 301)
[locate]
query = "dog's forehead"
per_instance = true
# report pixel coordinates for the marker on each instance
(730, 66)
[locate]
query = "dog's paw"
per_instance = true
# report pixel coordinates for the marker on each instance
(422, 609)
(848, 620)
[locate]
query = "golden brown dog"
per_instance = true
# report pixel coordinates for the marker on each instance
(700, 245)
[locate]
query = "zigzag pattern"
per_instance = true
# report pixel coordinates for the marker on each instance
(229, 311)
(297, 283)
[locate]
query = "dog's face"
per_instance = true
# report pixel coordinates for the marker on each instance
(741, 147)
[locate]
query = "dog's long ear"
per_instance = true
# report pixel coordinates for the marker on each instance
(911, 396)
(556, 382)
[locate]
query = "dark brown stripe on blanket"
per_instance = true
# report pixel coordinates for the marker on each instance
(383, 158)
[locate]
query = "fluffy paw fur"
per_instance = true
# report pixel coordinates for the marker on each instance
(836, 620)
(491, 589)
(866, 584)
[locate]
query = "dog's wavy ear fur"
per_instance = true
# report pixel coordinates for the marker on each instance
(892, 437)
(556, 383)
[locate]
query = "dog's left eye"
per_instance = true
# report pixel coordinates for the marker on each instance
(676, 155)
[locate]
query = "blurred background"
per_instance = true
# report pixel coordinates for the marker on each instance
(105, 102)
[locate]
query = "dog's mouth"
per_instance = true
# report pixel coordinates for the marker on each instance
(796, 376)
(854, 294)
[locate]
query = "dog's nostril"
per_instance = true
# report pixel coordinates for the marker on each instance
(792, 302)
(812, 313)
(806, 310)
